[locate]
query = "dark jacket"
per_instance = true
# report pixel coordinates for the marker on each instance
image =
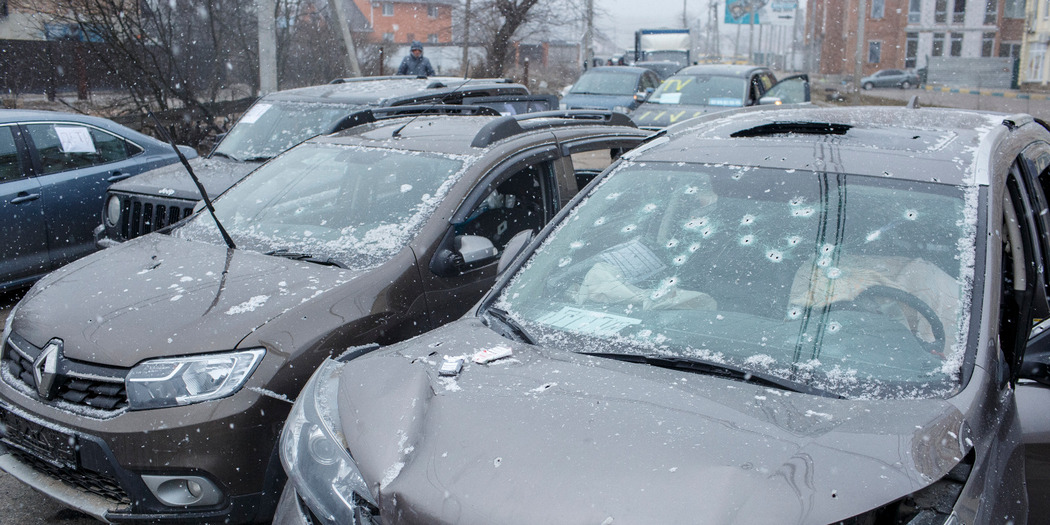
(411, 65)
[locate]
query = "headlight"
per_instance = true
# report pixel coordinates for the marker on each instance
(563, 106)
(621, 109)
(169, 382)
(315, 456)
(113, 210)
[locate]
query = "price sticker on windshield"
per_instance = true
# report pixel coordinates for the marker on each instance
(588, 322)
(255, 112)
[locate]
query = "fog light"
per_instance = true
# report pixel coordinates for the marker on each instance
(183, 491)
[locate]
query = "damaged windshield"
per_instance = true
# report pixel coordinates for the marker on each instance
(853, 285)
(270, 127)
(355, 206)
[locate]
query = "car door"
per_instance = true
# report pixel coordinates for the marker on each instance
(1033, 389)
(521, 193)
(23, 235)
(75, 164)
(791, 90)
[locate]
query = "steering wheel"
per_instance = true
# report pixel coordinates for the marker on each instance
(866, 300)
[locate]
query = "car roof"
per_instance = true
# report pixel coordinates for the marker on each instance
(21, 115)
(384, 91)
(729, 70)
(463, 134)
(924, 144)
(617, 69)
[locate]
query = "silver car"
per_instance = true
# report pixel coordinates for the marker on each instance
(793, 316)
(891, 78)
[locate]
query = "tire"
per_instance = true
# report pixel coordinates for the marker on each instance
(905, 84)
(868, 85)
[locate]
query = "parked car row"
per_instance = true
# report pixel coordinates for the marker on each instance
(480, 312)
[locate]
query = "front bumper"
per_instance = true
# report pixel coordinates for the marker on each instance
(109, 474)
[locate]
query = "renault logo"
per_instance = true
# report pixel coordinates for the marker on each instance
(45, 368)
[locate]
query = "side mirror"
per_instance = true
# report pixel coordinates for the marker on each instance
(473, 248)
(514, 247)
(642, 96)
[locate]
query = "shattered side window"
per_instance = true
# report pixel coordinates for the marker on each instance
(856, 285)
(359, 206)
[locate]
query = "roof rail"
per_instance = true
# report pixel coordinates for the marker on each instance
(366, 116)
(511, 125)
(435, 84)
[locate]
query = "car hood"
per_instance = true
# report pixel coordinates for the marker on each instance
(597, 101)
(217, 174)
(650, 115)
(159, 296)
(554, 437)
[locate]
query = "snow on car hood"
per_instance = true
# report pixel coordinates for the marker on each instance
(160, 296)
(554, 437)
(651, 115)
(217, 174)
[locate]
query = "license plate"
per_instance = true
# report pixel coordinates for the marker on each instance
(48, 444)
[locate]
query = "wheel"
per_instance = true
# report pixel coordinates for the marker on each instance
(868, 301)
(868, 85)
(905, 84)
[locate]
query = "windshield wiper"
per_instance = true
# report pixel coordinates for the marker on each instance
(227, 155)
(508, 322)
(297, 256)
(718, 369)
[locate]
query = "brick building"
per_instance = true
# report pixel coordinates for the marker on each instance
(402, 21)
(906, 33)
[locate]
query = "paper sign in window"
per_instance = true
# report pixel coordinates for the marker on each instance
(255, 112)
(587, 322)
(670, 98)
(75, 139)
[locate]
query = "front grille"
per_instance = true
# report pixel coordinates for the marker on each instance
(141, 214)
(78, 383)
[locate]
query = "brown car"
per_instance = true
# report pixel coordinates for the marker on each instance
(150, 381)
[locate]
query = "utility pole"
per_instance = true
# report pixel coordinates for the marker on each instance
(685, 18)
(466, 39)
(750, 31)
(348, 38)
(588, 38)
(267, 46)
(858, 62)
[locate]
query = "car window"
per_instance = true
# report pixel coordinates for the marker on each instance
(588, 164)
(597, 82)
(10, 163)
(852, 284)
(521, 202)
(68, 146)
(1020, 257)
(358, 206)
(702, 90)
(270, 127)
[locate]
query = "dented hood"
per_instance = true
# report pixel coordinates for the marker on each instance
(217, 174)
(159, 296)
(548, 436)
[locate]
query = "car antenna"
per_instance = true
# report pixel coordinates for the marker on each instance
(397, 132)
(200, 187)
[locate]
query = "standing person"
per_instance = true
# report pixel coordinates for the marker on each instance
(415, 63)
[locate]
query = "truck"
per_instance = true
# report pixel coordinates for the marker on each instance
(672, 45)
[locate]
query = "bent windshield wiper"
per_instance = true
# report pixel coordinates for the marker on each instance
(227, 155)
(719, 369)
(507, 321)
(297, 256)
